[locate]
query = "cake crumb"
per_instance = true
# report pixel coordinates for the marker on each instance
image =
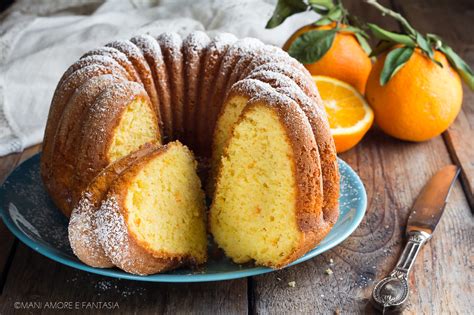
(328, 271)
(292, 284)
(331, 261)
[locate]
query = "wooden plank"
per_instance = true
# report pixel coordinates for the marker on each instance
(457, 20)
(7, 164)
(36, 278)
(7, 240)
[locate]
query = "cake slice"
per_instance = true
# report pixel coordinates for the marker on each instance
(82, 224)
(153, 218)
(265, 206)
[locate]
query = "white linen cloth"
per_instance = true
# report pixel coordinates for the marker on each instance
(40, 39)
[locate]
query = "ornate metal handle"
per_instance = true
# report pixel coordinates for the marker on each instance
(392, 291)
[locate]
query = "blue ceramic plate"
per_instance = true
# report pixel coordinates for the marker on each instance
(29, 213)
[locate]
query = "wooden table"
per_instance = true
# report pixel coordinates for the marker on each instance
(393, 173)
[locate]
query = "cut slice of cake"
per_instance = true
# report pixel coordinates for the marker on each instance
(153, 218)
(82, 224)
(265, 207)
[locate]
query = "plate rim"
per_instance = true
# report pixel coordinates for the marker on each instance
(183, 278)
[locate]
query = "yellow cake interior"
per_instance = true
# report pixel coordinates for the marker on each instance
(253, 211)
(229, 115)
(165, 205)
(137, 126)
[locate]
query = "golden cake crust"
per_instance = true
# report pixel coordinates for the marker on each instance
(305, 161)
(171, 48)
(327, 149)
(284, 85)
(118, 241)
(123, 250)
(194, 50)
(60, 100)
(101, 118)
(119, 57)
(69, 134)
(82, 225)
(236, 51)
(135, 55)
(211, 65)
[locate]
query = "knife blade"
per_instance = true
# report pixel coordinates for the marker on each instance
(392, 292)
(430, 203)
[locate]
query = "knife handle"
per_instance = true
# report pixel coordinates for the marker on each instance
(392, 291)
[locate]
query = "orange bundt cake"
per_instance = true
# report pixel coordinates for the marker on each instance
(153, 217)
(214, 94)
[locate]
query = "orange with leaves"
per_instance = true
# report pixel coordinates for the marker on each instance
(345, 60)
(420, 101)
(415, 85)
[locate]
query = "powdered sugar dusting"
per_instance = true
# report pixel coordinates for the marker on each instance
(87, 61)
(171, 42)
(112, 232)
(249, 87)
(82, 234)
(120, 57)
(196, 41)
(149, 46)
(127, 47)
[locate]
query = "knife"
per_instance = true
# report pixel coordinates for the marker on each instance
(392, 292)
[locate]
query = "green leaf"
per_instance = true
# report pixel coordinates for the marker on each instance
(284, 9)
(353, 29)
(460, 65)
(435, 40)
(382, 34)
(312, 46)
(335, 13)
(323, 21)
(381, 47)
(324, 3)
(363, 43)
(394, 62)
(423, 44)
(320, 10)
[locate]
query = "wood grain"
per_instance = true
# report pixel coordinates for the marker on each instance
(35, 278)
(7, 240)
(456, 30)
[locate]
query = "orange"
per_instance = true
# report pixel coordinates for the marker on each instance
(420, 101)
(345, 60)
(349, 115)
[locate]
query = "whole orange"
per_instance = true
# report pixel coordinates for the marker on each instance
(420, 101)
(345, 60)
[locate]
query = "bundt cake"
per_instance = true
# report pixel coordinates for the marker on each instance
(219, 96)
